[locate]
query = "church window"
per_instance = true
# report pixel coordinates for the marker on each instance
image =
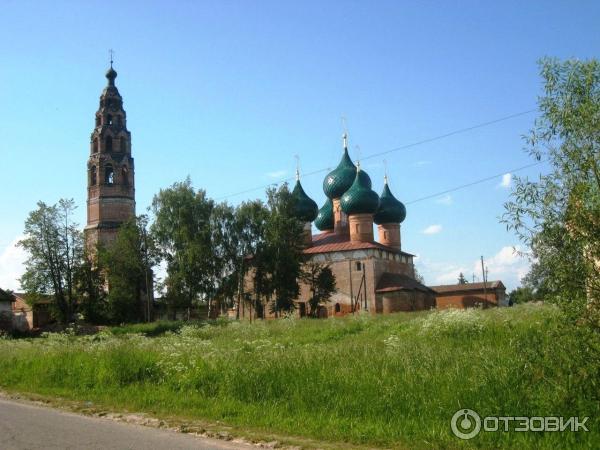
(125, 175)
(338, 308)
(109, 119)
(95, 145)
(109, 144)
(119, 121)
(123, 144)
(93, 176)
(109, 175)
(358, 265)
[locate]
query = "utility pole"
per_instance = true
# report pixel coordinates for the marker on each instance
(351, 293)
(484, 280)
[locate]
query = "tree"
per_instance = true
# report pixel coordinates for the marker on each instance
(182, 229)
(558, 215)
(55, 247)
(462, 279)
(127, 265)
(321, 281)
(522, 294)
(282, 255)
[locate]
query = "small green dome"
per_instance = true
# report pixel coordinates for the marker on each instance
(390, 210)
(324, 220)
(360, 199)
(305, 207)
(340, 179)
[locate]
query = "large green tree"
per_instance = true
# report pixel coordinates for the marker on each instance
(54, 245)
(126, 264)
(558, 215)
(282, 255)
(321, 281)
(183, 233)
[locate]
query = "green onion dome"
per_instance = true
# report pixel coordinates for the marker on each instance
(324, 220)
(390, 210)
(340, 179)
(305, 207)
(360, 199)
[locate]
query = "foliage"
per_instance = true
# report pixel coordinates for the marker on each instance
(182, 229)
(282, 255)
(390, 381)
(522, 294)
(55, 247)
(558, 216)
(127, 266)
(321, 282)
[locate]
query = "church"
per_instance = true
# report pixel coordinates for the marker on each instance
(111, 183)
(371, 275)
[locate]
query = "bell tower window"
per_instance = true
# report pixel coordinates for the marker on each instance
(125, 175)
(109, 119)
(109, 175)
(109, 144)
(123, 144)
(93, 176)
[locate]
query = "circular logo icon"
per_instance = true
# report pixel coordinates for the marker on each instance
(465, 424)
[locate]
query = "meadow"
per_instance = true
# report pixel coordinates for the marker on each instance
(387, 381)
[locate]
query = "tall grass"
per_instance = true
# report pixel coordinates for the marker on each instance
(389, 381)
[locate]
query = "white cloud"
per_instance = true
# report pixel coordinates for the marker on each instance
(506, 181)
(445, 200)
(12, 259)
(276, 173)
(506, 265)
(432, 229)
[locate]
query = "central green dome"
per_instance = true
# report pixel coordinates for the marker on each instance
(390, 210)
(360, 199)
(340, 179)
(324, 220)
(305, 207)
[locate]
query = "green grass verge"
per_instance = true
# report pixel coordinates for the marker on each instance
(391, 381)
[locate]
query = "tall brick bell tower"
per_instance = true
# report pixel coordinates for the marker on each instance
(111, 182)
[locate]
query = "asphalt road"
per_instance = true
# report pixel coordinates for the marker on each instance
(30, 427)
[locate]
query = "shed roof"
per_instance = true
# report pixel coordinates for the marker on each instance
(467, 287)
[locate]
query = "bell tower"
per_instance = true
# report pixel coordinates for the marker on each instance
(111, 182)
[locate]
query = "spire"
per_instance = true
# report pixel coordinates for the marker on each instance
(297, 167)
(345, 140)
(112, 73)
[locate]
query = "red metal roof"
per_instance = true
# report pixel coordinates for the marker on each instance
(390, 282)
(329, 241)
(467, 287)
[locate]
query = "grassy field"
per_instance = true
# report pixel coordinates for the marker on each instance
(389, 381)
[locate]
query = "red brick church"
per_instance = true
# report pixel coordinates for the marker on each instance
(371, 275)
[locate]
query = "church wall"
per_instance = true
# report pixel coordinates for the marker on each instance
(406, 301)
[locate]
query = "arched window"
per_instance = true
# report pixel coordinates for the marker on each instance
(119, 121)
(108, 144)
(95, 145)
(109, 119)
(123, 144)
(109, 175)
(125, 175)
(93, 176)
(338, 308)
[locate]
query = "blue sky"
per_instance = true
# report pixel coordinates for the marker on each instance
(229, 91)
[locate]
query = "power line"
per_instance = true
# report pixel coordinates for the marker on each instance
(375, 155)
(473, 183)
